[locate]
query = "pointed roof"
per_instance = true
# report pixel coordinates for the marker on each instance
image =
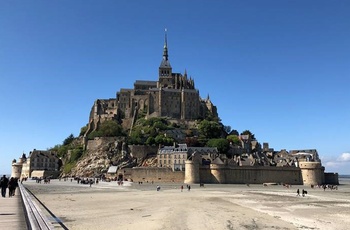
(218, 161)
(165, 62)
(208, 97)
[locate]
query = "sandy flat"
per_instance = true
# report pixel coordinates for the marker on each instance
(134, 206)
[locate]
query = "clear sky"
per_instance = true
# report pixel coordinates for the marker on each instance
(277, 68)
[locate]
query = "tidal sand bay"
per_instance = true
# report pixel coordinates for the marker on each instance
(140, 206)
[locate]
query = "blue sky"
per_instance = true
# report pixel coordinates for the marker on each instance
(277, 68)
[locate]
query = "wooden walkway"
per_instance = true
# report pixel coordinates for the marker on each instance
(12, 212)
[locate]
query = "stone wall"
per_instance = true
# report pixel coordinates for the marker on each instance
(99, 142)
(331, 178)
(45, 173)
(308, 173)
(141, 151)
(250, 175)
(154, 174)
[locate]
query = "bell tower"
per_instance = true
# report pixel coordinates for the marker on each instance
(165, 70)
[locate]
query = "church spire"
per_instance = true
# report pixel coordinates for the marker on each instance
(165, 62)
(165, 50)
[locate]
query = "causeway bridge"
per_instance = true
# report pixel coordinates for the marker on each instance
(25, 212)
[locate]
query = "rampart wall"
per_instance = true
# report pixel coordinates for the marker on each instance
(250, 175)
(145, 174)
(224, 175)
(331, 178)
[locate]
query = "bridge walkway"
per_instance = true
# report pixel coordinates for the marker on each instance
(12, 212)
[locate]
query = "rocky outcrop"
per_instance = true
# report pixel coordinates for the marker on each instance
(103, 152)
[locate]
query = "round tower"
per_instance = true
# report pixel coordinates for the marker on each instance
(312, 172)
(218, 173)
(16, 168)
(191, 172)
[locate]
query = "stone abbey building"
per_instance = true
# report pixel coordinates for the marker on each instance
(173, 96)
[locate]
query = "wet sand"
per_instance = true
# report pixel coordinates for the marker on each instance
(133, 206)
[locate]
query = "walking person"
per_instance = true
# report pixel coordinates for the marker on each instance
(182, 187)
(4, 181)
(15, 185)
(298, 192)
(12, 186)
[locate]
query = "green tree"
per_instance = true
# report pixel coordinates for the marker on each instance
(161, 139)
(221, 144)
(61, 150)
(159, 125)
(76, 154)
(234, 139)
(111, 128)
(94, 134)
(68, 140)
(209, 129)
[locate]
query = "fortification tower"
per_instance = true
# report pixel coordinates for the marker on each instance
(312, 172)
(192, 169)
(308, 161)
(217, 170)
(218, 173)
(17, 166)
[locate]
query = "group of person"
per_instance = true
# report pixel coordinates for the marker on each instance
(6, 183)
(303, 192)
(188, 187)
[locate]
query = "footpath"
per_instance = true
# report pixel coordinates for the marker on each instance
(12, 213)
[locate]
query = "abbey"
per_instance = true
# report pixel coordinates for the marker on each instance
(173, 96)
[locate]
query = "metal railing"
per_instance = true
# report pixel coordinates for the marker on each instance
(34, 215)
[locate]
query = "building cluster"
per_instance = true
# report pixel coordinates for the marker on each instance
(39, 163)
(245, 163)
(174, 157)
